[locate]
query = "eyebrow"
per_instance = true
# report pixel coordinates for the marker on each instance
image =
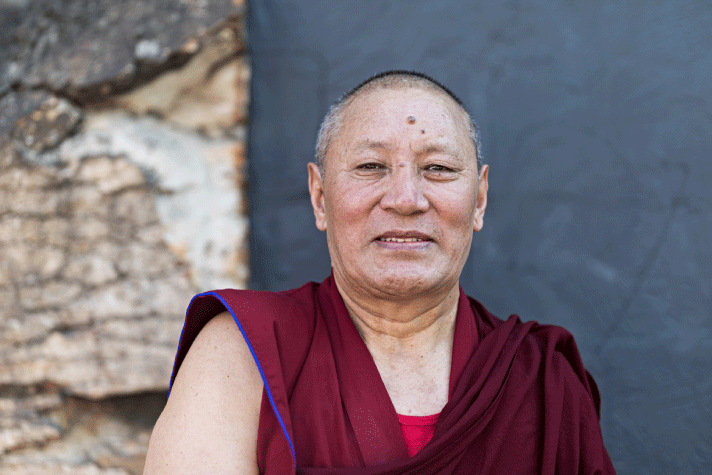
(368, 144)
(430, 147)
(437, 147)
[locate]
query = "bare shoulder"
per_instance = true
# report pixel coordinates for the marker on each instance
(209, 424)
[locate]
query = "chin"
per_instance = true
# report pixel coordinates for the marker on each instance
(404, 285)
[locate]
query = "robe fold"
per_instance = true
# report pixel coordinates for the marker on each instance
(520, 400)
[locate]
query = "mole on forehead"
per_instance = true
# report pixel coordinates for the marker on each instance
(411, 119)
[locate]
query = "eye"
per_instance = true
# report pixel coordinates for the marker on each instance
(438, 169)
(370, 166)
(439, 172)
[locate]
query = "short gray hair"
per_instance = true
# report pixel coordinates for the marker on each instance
(397, 79)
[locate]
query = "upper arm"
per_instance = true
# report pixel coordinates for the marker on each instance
(210, 422)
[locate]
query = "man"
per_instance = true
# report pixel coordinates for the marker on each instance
(386, 367)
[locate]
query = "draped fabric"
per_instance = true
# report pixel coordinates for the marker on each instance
(417, 431)
(520, 400)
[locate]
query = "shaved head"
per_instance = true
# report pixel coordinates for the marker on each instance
(398, 79)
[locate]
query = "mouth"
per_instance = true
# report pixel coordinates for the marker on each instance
(403, 237)
(390, 239)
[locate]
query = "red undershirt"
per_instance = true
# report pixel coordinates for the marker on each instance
(417, 431)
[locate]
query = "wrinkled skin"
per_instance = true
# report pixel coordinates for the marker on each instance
(401, 167)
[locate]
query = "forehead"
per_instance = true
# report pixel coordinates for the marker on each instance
(382, 103)
(414, 117)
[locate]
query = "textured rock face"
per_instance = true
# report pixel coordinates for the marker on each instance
(122, 149)
(94, 295)
(86, 46)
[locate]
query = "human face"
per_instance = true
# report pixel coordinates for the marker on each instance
(401, 196)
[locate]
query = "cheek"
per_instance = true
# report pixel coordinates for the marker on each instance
(345, 217)
(349, 205)
(340, 210)
(457, 208)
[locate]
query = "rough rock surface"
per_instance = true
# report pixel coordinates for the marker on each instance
(80, 436)
(73, 45)
(122, 156)
(86, 272)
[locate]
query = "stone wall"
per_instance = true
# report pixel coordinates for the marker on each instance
(122, 161)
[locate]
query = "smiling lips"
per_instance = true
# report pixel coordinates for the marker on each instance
(389, 239)
(403, 237)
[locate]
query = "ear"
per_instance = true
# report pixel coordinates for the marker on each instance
(482, 187)
(316, 191)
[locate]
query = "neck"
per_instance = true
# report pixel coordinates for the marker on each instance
(411, 344)
(401, 325)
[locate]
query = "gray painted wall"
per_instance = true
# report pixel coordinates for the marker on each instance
(597, 125)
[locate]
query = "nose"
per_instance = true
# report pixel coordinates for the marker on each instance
(404, 193)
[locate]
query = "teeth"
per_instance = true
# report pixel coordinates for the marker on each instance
(401, 240)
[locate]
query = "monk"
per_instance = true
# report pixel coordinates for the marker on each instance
(386, 367)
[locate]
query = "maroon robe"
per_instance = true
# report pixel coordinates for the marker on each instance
(520, 400)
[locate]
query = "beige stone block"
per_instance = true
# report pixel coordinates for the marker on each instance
(19, 329)
(8, 153)
(66, 360)
(141, 260)
(240, 156)
(49, 260)
(50, 468)
(89, 228)
(107, 248)
(7, 405)
(94, 435)
(122, 231)
(171, 297)
(21, 433)
(242, 87)
(218, 103)
(110, 174)
(89, 200)
(37, 177)
(10, 229)
(5, 201)
(237, 265)
(37, 402)
(32, 201)
(71, 347)
(10, 177)
(51, 294)
(90, 270)
(95, 169)
(27, 326)
(17, 259)
(7, 296)
(55, 231)
(123, 299)
(126, 175)
(86, 365)
(220, 159)
(155, 330)
(5, 278)
(37, 261)
(134, 298)
(151, 234)
(26, 229)
(135, 206)
(133, 367)
(196, 96)
(15, 178)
